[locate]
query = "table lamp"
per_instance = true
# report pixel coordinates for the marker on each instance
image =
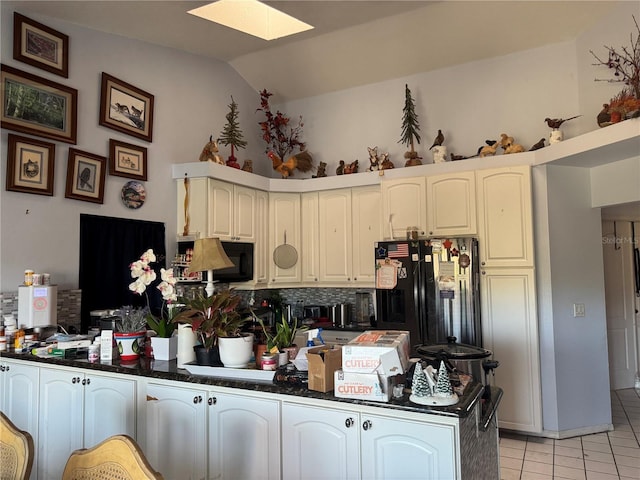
(208, 255)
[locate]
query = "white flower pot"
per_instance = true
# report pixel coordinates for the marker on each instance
(235, 352)
(164, 348)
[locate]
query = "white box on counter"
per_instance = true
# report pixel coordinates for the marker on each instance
(362, 386)
(385, 352)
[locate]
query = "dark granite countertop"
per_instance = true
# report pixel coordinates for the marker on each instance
(168, 370)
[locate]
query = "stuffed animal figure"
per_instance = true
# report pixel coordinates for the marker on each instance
(321, 171)
(210, 152)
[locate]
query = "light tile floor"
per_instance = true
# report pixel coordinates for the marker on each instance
(602, 456)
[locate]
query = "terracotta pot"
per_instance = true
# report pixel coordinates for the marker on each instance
(258, 350)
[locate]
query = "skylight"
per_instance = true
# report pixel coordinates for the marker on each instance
(252, 17)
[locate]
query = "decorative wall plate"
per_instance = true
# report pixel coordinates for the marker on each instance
(133, 194)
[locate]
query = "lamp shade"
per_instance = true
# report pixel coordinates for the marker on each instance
(208, 254)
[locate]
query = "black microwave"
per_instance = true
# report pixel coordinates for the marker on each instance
(241, 254)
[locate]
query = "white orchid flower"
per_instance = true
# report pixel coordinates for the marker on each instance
(167, 276)
(137, 268)
(138, 286)
(148, 256)
(148, 276)
(168, 292)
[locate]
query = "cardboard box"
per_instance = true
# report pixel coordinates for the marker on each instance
(364, 386)
(323, 362)
(385, 352)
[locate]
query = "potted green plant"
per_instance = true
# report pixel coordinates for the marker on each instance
(282, 340)
(211, 318)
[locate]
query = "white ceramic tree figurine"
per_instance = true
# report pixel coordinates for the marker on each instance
(443, 385)
(419, 384)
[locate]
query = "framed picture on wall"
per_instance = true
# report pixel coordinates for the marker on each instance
(86, 173)
(30, 165)
(40, 46)
(126, 160)
(55, 113)
(126, 108)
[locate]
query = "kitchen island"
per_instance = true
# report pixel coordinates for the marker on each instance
(193, 426)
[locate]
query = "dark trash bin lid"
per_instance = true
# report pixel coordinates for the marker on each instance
(453, 350)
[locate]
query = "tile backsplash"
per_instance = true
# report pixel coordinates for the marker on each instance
(68, 307)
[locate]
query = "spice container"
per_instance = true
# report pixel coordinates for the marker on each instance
(94, 352)
(268, 361)
(28, 277)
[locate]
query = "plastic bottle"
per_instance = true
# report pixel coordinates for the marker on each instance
(18, 341)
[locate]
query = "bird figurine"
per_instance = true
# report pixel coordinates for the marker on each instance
(351, 168)
(340, 169)
(538, 145)
(604, 117)
(438, 140)
(247, 166)
(556, 122)
(301, 161)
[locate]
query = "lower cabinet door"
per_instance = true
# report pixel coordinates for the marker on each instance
(393, 449)
(176, 434)
(244, 437)
(318, 443)
(60, 423)
(109, 408)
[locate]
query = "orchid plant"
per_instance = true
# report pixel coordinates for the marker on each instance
(144, 276)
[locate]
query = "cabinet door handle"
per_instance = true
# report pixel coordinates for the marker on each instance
(213, 400)
(88, 381)
(366, 425)
(197, 399)
(84, 381)
(349, 422)
(483, 263)
(484, 272)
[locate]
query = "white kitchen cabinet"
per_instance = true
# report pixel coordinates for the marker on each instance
(284, 228)
(404, 204)
(393, 449)
(367, 229)
(244, 437)
(335, 228)
(349, 225)
(363, 445)
(19, 385)
(231, 211)
(451, 204)
(176, 431)
(78, 409)
(310, 223)
(261, 247)
(510, 331)
(505, 217)
(319, 443)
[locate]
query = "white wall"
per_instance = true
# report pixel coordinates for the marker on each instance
(191, 99)
(580, 355)
(616, 183)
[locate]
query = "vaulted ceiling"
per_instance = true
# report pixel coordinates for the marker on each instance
(353, 42)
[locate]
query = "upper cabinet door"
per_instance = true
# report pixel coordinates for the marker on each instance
(404, 204)
(504, 217)
(451, 204)
(221, 209)
(244, 214)
(335, 235)
(310, 238)
(367, 229)
(284, 213)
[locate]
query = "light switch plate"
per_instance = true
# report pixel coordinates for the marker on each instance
(578, 310)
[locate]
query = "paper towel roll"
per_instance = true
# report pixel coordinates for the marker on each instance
(186, 340)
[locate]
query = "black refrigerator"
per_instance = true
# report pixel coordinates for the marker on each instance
(430, 287)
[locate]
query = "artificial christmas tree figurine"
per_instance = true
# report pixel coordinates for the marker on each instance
(410, 129)
(440, 391)
(419, 385)
(231, 134)
(443, 385)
